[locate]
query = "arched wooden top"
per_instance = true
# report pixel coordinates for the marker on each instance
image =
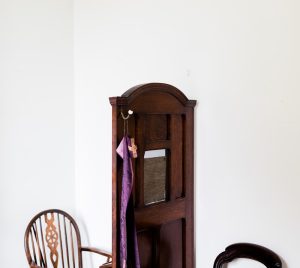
(143, 90)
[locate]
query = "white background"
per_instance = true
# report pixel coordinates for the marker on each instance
(61, 60)
(36, 117)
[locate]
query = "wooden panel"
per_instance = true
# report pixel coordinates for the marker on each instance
(159, 214)
(188, 152)
(176, 175)
(161, 144)
(115, 192)
(171, 245)
(139, 168)
(156, 102)
(157, 127)
(146, 241)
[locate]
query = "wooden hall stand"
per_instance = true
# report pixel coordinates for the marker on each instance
(162, 121)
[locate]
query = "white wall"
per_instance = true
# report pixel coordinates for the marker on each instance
(36, 117)
(240, 60)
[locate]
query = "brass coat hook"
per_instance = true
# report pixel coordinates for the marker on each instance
(130, 112)
(125, 118)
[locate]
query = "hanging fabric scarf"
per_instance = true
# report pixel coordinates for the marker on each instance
(129, 254)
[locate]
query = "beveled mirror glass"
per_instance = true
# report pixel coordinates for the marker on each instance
(155, 175)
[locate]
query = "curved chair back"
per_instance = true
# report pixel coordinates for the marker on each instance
(249, 251)
(52, 239)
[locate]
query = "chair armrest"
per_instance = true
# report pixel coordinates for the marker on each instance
(96, 250)
(106, 265)
(100, 252)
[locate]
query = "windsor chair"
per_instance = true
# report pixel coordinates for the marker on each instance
(52, 240)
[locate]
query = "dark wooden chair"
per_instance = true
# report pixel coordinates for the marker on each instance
(249, 251)
(52, 239)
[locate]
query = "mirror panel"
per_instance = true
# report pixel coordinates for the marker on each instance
(155, 176)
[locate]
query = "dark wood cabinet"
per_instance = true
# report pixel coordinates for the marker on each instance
(163, 127)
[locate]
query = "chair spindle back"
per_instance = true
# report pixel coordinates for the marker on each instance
(52, 240)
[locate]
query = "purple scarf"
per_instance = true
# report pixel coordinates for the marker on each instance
(129, 254)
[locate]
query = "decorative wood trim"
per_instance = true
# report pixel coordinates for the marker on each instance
(52, 239)
(138, 90)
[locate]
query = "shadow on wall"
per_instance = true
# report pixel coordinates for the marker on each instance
(85, 241)
(284, 265)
